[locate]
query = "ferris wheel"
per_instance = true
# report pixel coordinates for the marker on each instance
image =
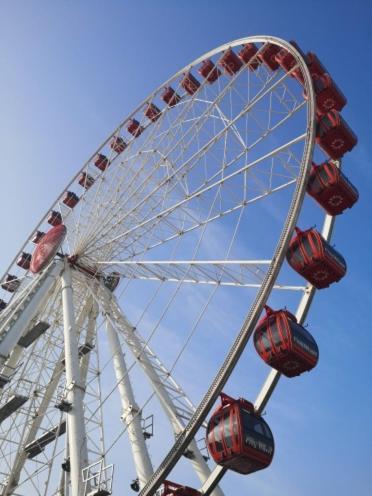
(128, 308)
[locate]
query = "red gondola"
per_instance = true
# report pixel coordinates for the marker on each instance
(190, 83)
(86, 180)
(118, 144)
(3, 305)
(238, 438)
(316, 68)
(267, 55)
(230, 62)
(37, 237)
(331, 188)
(24, 260)
(328, 95)
(313, 258)
(170, 97)
(70, 199)
(152, 112)
(248, 53)
(209, 71)
(334, 135)
(286, 60)
(134, 128)
(101, 161)
(112, 281)
(11, 283)
(284, 344)
(169, 488)
(55, 218)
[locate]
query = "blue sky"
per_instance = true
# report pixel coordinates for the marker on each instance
(71, 71)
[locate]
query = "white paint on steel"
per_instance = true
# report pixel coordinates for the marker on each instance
(213, 479)
(253, 315)
(31, 432)
(74, 387)
(131, 414)
(146, 359)
(163, 390)
(14, 330)
(187, 262)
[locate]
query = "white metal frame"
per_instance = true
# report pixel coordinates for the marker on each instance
(14, 327)
(267, 285)
(172, 398)
(32, 427)
(262, 274)
(131, 414)
(74, 386)
(273, 377)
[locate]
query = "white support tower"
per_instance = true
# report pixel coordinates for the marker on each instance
(131, 414)
(30, 434)
(75, 395)
(172, 398)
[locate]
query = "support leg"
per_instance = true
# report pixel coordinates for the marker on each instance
(130, 409)
(75, 417)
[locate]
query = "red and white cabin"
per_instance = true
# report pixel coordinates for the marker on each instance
(268, 55)
(230, 62)
(101, 161)
(286, 60)
(247, 55)
(331, 188)
(169, 488)
(152, 112)
(37, 237)
(86, 180)
(313, 258)
(134, 128)
(334, 135)
(118, 144)
(328, 95)
(70, 199)
(190, 84)
(55, 218)
(316, 68)
(284, 344)
(238, 438)
(170, 97)
(24, 260)
(11, 283)
(209, 71)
